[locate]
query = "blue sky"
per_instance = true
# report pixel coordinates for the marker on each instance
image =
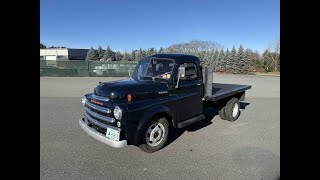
(125, 24)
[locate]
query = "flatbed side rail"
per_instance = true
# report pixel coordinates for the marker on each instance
(228, 93)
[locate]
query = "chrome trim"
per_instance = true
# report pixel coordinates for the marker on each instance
(100, 137)
(96, 115)
(98, 108)
(84, 100)
(162, 92)
(100, 98)
(92, 120)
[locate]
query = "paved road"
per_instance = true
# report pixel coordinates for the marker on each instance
(248, 148)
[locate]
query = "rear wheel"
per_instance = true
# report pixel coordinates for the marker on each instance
(232, 109)
(222, 113)
(155, 135)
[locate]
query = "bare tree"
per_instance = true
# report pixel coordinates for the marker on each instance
(193, 47)
(275, 54)
(202, 49)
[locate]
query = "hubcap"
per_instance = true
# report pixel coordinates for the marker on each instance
(155, 134)
(235, 110)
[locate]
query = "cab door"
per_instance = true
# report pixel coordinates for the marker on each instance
(189, 93)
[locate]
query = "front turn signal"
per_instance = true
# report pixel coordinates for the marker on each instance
(129, 97)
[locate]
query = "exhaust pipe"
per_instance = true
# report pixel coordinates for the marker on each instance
(208, 80)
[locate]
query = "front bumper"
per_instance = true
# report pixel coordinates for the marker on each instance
(98, 136)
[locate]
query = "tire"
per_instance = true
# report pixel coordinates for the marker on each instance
(154, 139)
(232, 109)
(222, 113)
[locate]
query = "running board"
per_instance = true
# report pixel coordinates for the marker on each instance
(191, 121)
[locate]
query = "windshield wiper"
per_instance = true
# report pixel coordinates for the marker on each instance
(147, 78)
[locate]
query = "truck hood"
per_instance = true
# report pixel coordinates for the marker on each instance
(121, 88)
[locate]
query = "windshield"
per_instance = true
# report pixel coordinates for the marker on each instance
(154, 69)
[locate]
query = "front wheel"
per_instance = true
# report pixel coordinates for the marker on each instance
(155, 135)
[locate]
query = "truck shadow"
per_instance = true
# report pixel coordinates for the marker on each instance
(243, 105)
(176, 133)
(209, 112)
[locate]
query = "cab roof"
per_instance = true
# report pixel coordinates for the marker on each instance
(178, 58)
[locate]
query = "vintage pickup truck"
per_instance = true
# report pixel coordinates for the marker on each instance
(165, 91)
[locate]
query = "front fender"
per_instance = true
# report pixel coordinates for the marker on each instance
(145, 118)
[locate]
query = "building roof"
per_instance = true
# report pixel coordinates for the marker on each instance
(179, 58)
(62, 49)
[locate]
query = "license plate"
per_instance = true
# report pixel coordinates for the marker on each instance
(113, 134)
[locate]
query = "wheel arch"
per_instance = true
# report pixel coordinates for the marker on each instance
(223, 102)
(156, 111)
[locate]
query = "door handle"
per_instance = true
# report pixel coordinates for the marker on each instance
(199, 84)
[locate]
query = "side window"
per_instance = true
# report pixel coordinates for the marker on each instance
(190, 71)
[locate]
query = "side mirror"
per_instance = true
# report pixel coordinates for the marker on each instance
(181, 73)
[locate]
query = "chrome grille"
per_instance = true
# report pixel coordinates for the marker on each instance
(100, 98)
(97, 108)
(101, 116)
(92, 120)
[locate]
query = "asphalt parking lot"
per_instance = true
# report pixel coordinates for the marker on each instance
(248, 148)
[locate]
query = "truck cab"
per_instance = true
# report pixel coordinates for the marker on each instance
(165, 91)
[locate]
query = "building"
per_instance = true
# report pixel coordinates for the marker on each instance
(63, 54)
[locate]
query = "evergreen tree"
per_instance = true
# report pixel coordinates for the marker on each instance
(221, 61)
(151, 51)
(148, 52)
(249, 66)
(100, 52)
(215, 60)
(118, 56)
(209, 57)
(201, 55)
(138, 55)
(135, 55)
(92, 55)
(142, 53)
(161, 50)
(231, 60)
(232, 65)
(42, 46)
(129, 57)
(226, 59)
(239, 63)
(125, 56)
(109, 55)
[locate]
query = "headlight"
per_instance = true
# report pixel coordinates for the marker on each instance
(83, 100)
(117, 112)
